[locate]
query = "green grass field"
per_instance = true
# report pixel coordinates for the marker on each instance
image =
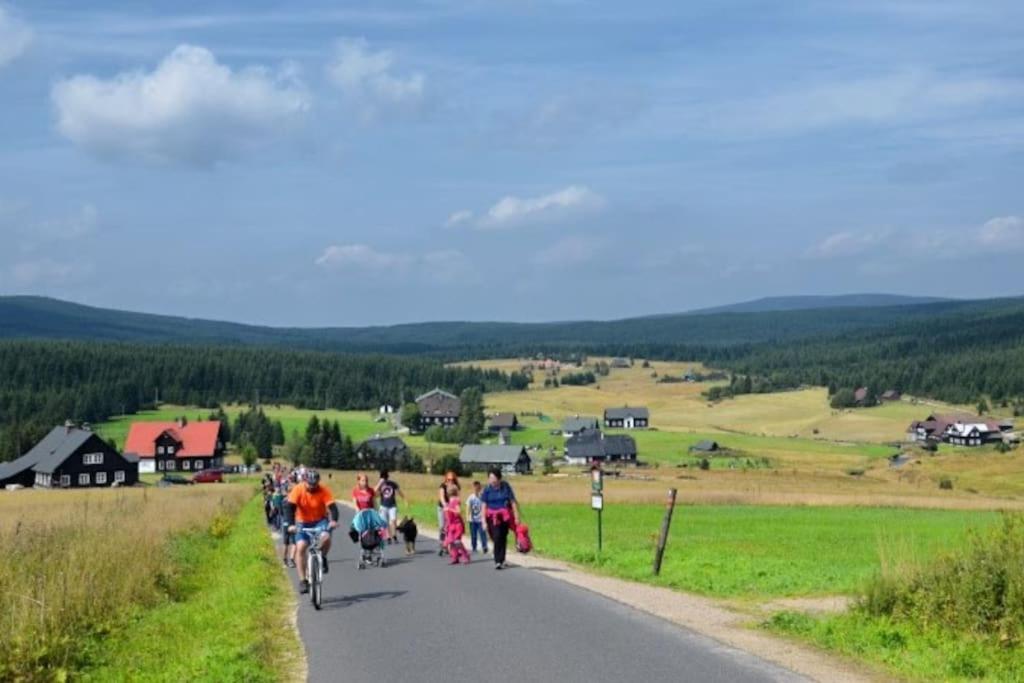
(747, 552)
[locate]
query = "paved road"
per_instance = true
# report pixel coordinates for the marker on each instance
(421, 620)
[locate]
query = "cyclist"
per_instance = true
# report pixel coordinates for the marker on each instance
(309, 504)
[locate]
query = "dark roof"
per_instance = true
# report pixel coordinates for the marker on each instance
(504, 420)
(438, 403)
(705, 446)
(891, 394)
(623, 413)
(594, 444)
(48, 454)
(576, 424)
(382, 444)
(506, 455)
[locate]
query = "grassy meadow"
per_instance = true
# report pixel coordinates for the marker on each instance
(80, 570)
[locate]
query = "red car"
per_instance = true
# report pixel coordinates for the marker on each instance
(208, 477)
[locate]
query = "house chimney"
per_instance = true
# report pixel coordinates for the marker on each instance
(68, 426)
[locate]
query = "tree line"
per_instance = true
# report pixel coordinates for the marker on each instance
(44, 383)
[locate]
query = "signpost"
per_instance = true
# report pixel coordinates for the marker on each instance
(597, 497)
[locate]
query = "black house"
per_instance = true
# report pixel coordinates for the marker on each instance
(627, 418)
(438, 407)
(71, 457)
(592, 446)
(381, 449)
(503, 422)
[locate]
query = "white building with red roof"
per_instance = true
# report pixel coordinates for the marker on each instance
(175, 446)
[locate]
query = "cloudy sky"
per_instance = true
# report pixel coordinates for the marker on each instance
(349, 163)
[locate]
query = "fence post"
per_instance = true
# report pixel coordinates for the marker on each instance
(659, 553)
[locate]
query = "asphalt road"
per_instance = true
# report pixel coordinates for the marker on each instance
(421, 620)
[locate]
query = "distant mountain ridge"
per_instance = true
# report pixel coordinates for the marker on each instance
(46, 318)
(807, 302)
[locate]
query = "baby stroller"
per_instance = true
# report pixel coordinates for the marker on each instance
(369, 528)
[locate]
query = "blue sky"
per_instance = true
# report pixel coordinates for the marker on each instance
(324, 163)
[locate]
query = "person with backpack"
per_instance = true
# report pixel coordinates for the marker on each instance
(501, 511)
(388, 491)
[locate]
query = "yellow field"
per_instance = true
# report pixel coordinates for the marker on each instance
(75, 561)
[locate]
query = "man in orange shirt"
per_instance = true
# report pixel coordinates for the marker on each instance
(308, 506)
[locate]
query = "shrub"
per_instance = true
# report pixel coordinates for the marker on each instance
(946, 484)
(449, 463)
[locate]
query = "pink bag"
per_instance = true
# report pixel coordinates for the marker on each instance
(523, 542)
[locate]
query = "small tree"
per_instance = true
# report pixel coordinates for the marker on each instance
(410, 417)
(983, 406)
(448, 463)
(249, 456)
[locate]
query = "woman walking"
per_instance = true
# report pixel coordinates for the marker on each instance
(501, 510)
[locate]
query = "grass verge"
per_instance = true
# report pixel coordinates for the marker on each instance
(226, 622)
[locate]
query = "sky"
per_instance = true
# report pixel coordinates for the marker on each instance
(325, 163)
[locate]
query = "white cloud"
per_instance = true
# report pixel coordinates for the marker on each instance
(190, 109)
(513, 211)
(361, 256)
(15, 37)
(1003, 233)
(458, 218)
(367, 79)
(843, 244)
(569, 251)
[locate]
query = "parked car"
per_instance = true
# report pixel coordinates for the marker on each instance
(208, 476)
(173, 480)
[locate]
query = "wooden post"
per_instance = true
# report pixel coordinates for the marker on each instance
(659, 553)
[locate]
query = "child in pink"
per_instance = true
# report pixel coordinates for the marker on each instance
(454, 528)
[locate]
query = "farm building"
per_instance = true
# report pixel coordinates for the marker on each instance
(861, 396)
(592, 446)
(705, 446)
(627, 418)
(503, 422)
(574, 425)
(511, 459)
(891, 395)
(621, 363)
(438, 407)
(962, 429)
(381, 448)
(174, 446)
(70, 457)
(386, 409)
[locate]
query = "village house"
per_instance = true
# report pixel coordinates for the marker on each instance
(574, 425)
(705, 446)
(71, 456)
(510, 459)
(891, 395)
(175, 446)
(381, 448)
(961, 429)
(627, 418)
(621, 363)
(438, 407)
(592, 446)
(503, 422)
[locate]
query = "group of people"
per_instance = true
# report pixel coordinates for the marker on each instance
(299, 504)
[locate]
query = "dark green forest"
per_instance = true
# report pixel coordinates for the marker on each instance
(44, 383)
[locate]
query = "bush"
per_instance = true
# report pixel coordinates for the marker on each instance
(705, 464)
(977, 591)
(946, 484)
(449, 463)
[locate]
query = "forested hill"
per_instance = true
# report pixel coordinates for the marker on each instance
(800, 303)
(34, 317)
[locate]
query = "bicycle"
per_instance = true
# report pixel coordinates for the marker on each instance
(314, 564)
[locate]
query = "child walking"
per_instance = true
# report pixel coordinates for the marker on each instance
(455, 526)
(475, 508)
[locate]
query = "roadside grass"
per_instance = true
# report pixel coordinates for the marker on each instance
(744, 552)
(76, 565)
(958, 616)
(227, 621)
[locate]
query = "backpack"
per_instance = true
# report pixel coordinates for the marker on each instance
(523, 542)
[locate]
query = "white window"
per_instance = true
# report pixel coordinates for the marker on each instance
(119, 475)
(170, 465)
(159, 464)
(186, 464)
(92, 459)
(160, 450)
(83, 479)
(199, 464)
(170, 450)
(65, 480)
(101, 477)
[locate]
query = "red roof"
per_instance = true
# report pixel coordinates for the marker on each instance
(197, 439)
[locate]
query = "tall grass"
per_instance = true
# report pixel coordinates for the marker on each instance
(75, 564)
(976, 590)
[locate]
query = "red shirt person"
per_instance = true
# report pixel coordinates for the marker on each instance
(362, 495)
